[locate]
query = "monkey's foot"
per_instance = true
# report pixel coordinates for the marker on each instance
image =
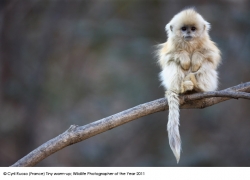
(192, 77)
(187, 86)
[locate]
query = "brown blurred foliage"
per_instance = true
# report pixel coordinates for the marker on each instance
(66, 62)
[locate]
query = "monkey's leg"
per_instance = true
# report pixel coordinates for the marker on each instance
(196, 61)
(206, 77)
(172, 77)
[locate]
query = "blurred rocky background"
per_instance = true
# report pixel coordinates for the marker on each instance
(66, 62)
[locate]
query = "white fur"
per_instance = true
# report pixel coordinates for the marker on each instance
(186, 65)
(173, 124)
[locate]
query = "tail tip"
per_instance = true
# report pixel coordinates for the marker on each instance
(177, 158)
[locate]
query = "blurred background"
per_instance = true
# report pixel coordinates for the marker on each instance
(66, 62)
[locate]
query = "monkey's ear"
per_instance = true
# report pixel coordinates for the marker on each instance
(169, 28)
(207, 26)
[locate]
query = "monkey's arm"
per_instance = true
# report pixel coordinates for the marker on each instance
(211, 55)
(167, 54)
(183, 59)
(209, 52)
(172, 64)
(204, 65)
(197, 59)
(205, 79)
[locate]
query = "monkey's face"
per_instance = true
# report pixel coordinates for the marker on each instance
(188, 32)
(187, 26)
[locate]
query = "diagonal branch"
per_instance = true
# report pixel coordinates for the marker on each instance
(76, 134)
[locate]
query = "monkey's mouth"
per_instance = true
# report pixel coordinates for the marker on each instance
(188, 38)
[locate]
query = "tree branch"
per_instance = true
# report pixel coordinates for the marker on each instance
(76, 134)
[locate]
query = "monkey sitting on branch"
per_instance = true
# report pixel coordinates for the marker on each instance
(188, 61)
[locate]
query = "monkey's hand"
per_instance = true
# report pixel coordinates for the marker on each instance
(197, 59)
(184, 60)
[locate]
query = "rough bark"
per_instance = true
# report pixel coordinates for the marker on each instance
(76, 133)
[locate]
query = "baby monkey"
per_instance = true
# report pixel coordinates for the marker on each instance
(188, 61)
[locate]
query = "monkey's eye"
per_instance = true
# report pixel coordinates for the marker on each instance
(184, 28)
(193, 28)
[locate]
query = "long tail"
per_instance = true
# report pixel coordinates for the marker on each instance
(173, 124)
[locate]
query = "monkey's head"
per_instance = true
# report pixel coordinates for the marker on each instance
(187, 25)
